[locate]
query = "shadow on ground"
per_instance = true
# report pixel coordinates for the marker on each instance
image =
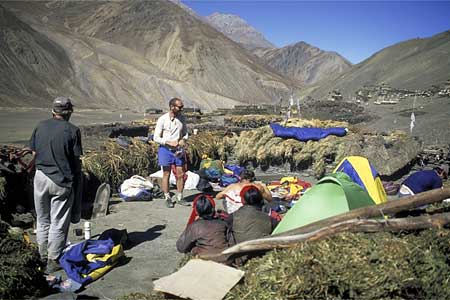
(137, 237)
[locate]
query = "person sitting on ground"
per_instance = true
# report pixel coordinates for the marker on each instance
(249, 222)
(205, 233)
(231, 194)
(423, 181)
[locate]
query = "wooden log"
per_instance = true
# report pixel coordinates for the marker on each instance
(354, 225)
(380, 210)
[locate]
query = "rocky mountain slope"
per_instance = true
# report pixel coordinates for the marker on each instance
(29, 62)
(413, 64)
(238, 30)
(304, 63)
(137, 54)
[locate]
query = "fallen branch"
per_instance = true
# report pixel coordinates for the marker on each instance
(343, 222)
(354, 225)
(381, 210)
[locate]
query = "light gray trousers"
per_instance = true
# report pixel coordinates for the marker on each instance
(53, 204)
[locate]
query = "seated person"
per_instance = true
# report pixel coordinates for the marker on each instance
(231, 194)
(249, 222)
(205, 233)
(423, 181)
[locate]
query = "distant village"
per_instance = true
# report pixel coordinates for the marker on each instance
(385, 94)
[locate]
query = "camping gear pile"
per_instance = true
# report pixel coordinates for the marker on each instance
(136, 188)
(288, 188)
(260, 146)
(89, 260)
(21, 270)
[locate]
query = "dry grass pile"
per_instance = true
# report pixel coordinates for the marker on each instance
(114, 163)
(446, 183)
(353, 266)
(150, 122)
(209, 143)
(260, 146)
(21, 274)
(251, 121)
(150, 296)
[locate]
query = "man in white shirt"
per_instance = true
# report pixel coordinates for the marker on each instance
(171, 134)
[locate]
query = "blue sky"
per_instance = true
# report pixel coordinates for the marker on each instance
(354, 29)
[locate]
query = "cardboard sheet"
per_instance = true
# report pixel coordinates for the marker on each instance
(200, 279)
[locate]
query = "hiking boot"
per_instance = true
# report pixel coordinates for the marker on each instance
(183, 202)
(52, 266)
(169, 203)
(179, 199)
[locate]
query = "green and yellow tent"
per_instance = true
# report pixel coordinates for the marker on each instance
(332, 195)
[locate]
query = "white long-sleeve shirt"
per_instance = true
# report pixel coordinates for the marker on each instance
(170, 129)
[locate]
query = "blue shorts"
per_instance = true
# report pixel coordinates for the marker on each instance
(166, 157)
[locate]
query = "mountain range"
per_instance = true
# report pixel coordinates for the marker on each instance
(129, 54)
(138, 54)
(416, 64)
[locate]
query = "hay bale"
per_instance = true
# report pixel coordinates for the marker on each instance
(21, 270)
(260, 146)
(150, 296)
(114, 163)
(149, 121)
(353, 266)
(209, 143)
(251, 121)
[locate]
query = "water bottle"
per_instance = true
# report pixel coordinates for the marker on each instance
(87, 230)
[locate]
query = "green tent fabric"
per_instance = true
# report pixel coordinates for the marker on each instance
(332, 195)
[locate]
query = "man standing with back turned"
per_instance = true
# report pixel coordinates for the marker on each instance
(56, 146)
(171, 135)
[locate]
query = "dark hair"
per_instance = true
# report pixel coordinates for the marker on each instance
(253, 197)
(204, 208)
(441, 171)
(173, 101)
(247, 174)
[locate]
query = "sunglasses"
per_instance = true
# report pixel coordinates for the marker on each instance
(179, 106)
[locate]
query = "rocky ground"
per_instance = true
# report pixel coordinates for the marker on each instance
(17, 124)
(432, 118)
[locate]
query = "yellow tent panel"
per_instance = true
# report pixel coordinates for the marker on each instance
(364, 174)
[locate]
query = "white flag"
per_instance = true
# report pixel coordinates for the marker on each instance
(413, 120)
